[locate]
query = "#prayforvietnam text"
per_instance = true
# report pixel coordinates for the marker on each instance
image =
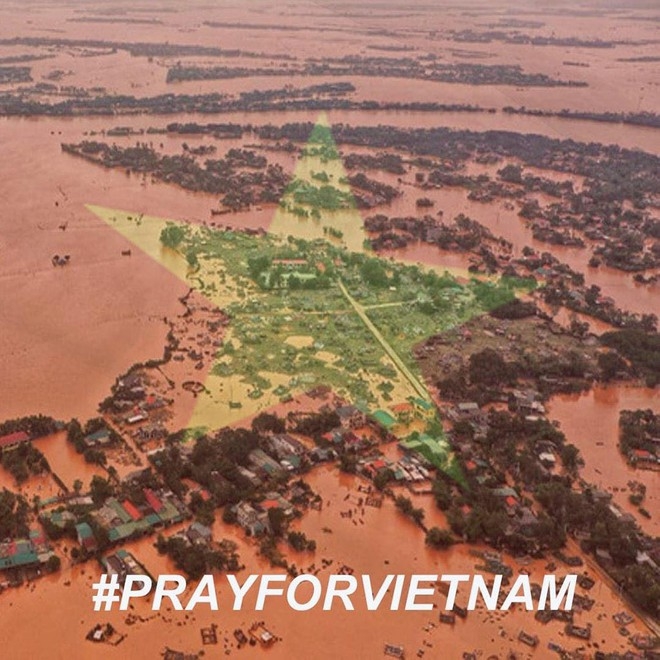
(306, 592)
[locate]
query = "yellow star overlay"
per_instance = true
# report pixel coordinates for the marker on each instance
(282, 341)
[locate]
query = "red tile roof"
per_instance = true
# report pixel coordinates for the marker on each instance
(131, 510)
(152, 500)
(13, 438)
(270, 504)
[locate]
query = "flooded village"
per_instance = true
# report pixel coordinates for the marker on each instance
(330, 289)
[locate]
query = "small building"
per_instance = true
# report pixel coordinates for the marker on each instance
(274, 500)
(252, 521)
(86, 537)
(351, 417)
(547, 459)
(468, 408)
(97, 439)
(264, 464)
(12, 440)
(384, 419)
(136, 419)
(152, 500)
(199, 534)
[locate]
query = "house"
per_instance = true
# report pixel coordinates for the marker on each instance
(86, 537)
(150, 432)
(603, 556)
(199, 534)
(335, 437)
(60, 519)
(152, 500)
(97, 439)
(403, 411)
(136, 418)
(526, 638)
(505, 491)
(578, 631)
(288, 450)
(282, 445)
(17, 553)
(468, 408)
(433, 450)
(511, 504)
(642, 457)
(600, 495)
(321, 455)
(644, 558)
(12, 440)
(249, 475)
(547, 459)
(252, 521)
(351, 417)
(525, 521)
(384, 419)
(274, 500)
(134, 475)
(132, 510)
(422, 405)
(122, 563)
(263, 464)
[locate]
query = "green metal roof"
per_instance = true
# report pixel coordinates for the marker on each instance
(384, 418)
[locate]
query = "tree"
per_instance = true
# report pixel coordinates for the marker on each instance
(442, 493)
(439, 538)
(570, 457)
(100, 489)
(75, 435)
(382, 478)
(348, 463)
(53, 564)
(276, 518)
(228, 515)
(266, 422)
(610, 364)
(191, 258)
(405, 505)
(172, 235)
(373, 272)
(488, 367)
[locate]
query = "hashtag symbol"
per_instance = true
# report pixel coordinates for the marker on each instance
(106, 592)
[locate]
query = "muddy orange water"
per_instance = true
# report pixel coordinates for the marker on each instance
(67, 333)
(370, 541)
(590, 421)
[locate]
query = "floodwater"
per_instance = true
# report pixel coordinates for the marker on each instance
(68, 332)
(591, 422)
(65, 462)
(104, 310)
(369, 542)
